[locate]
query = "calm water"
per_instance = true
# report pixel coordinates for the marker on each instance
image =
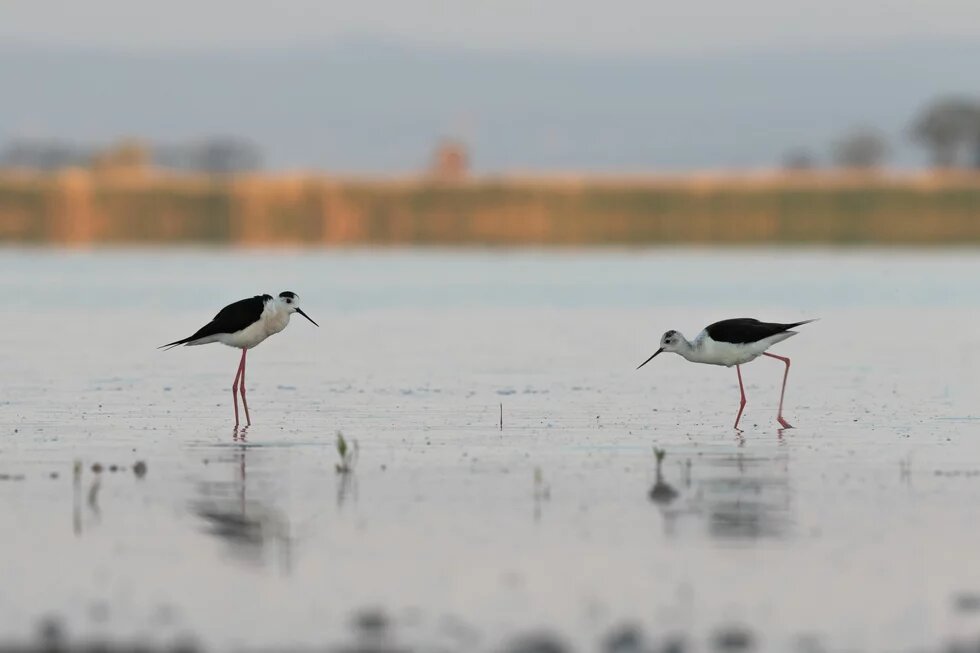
(856, 531)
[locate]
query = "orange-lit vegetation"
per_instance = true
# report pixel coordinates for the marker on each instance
(82, 207)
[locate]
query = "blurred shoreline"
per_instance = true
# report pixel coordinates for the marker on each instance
(78, 207)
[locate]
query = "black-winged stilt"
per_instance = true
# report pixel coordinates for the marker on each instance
(244, 325)
(732, 342)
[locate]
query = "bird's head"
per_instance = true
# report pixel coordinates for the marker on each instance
(290, 303)
(671, 341)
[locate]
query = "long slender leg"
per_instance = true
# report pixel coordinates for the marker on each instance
(248, 420)
(234, 385)
(782, 393)
(741, 388)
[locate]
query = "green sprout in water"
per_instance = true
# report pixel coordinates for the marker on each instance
(348, 455)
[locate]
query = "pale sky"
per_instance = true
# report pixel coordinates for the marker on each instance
(585, 26)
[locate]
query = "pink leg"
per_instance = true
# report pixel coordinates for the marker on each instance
(779, 415)
(741, 389)
(234, 385)
(248, 420)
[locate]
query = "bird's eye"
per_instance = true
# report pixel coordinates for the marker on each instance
(289, 301)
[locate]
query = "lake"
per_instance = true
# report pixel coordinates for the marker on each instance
(500, 499)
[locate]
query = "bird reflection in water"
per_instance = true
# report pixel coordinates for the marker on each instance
(661, 492)
(248, 526)
(663, 495)
(736, 497)
(749, 498)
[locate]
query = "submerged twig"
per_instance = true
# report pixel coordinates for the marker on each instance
(77, 497)
(542, 490)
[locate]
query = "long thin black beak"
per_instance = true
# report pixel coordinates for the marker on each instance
(651, 358)
(300, 311)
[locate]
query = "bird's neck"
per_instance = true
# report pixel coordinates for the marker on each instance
(686, 348)
(278, 309)
(276, 318)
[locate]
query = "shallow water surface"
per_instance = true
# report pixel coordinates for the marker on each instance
(854, 531)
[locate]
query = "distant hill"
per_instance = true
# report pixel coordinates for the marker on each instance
(364, 106)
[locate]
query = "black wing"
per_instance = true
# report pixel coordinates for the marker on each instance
(744, 330)
(232, 318)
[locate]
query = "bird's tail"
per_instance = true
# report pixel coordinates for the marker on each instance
(175, 343)
(796, 324)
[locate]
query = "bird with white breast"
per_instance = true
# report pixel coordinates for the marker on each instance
(244, 324)
(733, 342)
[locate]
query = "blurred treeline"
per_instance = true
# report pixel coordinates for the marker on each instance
(212, 192)
(948, 129)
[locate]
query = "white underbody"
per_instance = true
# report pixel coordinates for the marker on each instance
(705, 350)
(272, 321)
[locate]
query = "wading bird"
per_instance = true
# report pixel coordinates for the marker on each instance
(244, 325)
(732, 342)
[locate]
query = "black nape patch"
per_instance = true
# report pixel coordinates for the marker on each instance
(287, 293)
